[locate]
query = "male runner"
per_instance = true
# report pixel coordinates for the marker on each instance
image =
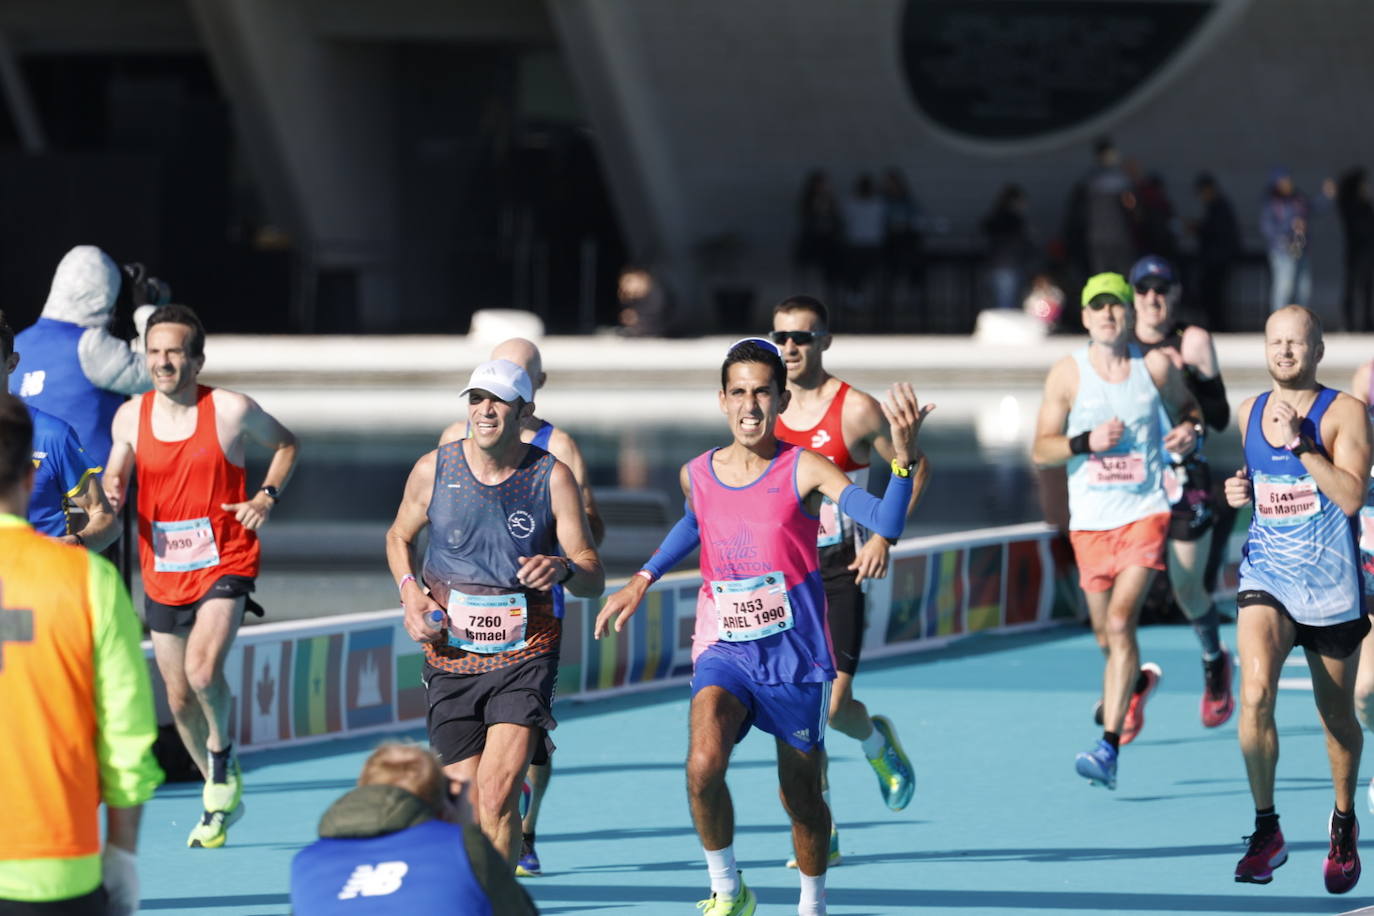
(1101, 416)
(845, 425)
(66, 475)
(77, 710)
(1187, 478)
(197, 546)
(498, 511)
(1306, 463)
(761, 653)
(558, 443)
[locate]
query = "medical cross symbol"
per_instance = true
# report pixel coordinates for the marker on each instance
(15, 626)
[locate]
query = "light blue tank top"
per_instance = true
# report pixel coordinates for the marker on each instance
(1301, 548)
(1112, 489)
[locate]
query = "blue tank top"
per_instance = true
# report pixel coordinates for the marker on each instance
(422, 870)
(61, 468)
(1112, 489)
(1301, 548)
(50, 378)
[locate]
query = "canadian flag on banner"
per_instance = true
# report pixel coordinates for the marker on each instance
(266, 715)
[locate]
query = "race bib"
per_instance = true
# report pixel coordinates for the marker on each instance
(1282, 499)
(1367, 529)
(184, 546)
(749, 609)
(1124, 470)
(831, 531)
(486, 624)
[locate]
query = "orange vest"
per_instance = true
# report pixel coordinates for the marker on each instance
(189, 480)
(49, 769)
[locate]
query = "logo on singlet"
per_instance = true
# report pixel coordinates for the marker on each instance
(33, 383)
(820, 439)
(374, 880)
(520, 524)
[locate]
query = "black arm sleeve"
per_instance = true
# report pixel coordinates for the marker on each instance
(1211, 397)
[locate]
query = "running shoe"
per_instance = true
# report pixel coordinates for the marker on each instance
(1098, 765)
(741, 903)
(1218, 703)
(224, 796)
(1135, 712)
(213, 828)
(1266, 851)
(1342, 868)
(896, 778)
(528, 864)
(833, 858)
(525, 793)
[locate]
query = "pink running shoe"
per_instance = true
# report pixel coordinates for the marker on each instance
(1135, 712)
(1266, 852)
(1342, 869)
(1218, 703)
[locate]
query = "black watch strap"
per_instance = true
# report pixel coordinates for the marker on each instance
(1304, 446)
(271, 491)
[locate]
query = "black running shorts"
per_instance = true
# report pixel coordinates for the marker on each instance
(1340, 640)
(461, 706)
(1195, 513)
(92, 904)
(844, 603)
(173, 618)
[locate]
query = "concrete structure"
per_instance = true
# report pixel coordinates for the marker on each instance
(707, 115)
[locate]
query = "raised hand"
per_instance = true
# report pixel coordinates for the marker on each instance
(904, 417)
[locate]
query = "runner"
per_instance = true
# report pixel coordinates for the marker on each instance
(845, 425)
(1187, 478)
(761, 650)
(77, 712)
(1362, 387)
(1101, 416)
(498, 510)
(558, 443)
(197, 548)
(66, 475)
(1306, 465)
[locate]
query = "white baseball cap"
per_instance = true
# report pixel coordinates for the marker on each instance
(502, 378)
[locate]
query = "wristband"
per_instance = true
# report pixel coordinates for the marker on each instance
(404, 579)
(1300, 446)
(650, 577)
(80, 541)
(568, 572)
(1078, 445)
(902, 470)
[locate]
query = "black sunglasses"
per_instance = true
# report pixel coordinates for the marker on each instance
(800, 338)
(1101, 301)
(1144, 288)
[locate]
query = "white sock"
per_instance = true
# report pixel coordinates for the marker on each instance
(720, 864)
(873, 744)
(812, 902)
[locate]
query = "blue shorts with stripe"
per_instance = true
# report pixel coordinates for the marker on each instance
(794, 713)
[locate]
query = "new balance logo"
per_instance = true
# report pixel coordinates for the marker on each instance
(804, 734)
(374, 880)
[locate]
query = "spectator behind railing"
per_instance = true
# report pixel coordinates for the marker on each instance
(1218, 244)
(1357, 221)
(1009, 247)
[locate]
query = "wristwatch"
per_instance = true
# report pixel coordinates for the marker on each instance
(902, 470)
(1300, 446)
(271, 491)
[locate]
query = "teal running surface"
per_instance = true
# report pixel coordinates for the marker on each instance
(1000, 823)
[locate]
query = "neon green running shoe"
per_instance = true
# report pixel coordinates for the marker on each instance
(833, 858)
(212, 830)
(741, 903)
(896, 778)
(224, 796)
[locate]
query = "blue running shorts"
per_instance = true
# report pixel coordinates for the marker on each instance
(795, 713)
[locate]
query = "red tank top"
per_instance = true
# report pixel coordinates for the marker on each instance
(185, 540)
(827, 436)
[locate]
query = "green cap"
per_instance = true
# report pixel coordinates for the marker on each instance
(1112, 284)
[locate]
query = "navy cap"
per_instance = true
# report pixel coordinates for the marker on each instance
(1152, 265)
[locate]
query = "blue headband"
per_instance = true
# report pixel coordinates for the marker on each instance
(766, 344)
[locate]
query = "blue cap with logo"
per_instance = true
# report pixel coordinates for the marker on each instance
(1152, 265)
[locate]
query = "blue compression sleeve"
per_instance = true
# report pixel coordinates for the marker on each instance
(886, 516)
(681, 541)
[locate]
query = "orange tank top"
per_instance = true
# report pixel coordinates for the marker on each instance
(49, 772)
(827, 436)
(185, 540)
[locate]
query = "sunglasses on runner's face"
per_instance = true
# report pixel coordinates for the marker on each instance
(1144, 288)
(1101, 301)
(800, 338)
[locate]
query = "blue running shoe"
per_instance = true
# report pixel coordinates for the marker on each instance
(527, 866)
(896, 778)
(1098, 765)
